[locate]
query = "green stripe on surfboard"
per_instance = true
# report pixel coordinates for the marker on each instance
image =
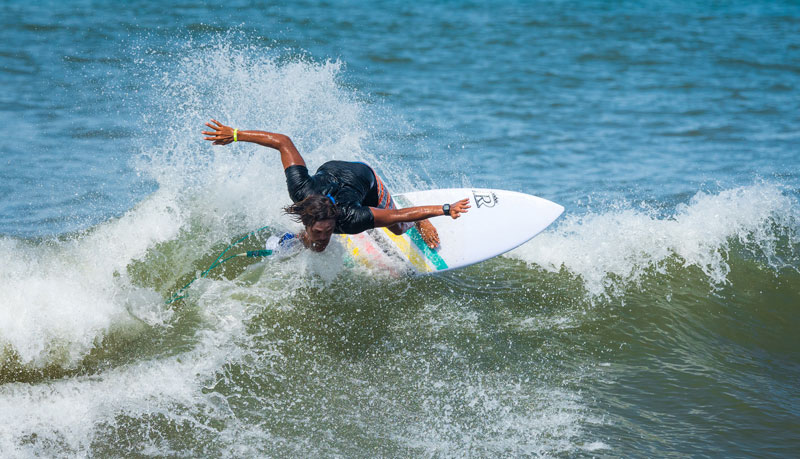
(432, 256)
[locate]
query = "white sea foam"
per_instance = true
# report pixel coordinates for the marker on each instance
(616, 247)
(66, 415)
(60, 298)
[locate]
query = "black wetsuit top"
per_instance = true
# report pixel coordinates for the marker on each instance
(351, 184)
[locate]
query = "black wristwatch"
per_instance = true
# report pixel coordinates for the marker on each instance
(446, 209)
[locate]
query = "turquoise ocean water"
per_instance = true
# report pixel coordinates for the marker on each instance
(657, 318)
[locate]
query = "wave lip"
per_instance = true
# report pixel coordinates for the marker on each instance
(615, 248)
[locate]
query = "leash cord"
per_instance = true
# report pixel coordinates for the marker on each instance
(251, 254)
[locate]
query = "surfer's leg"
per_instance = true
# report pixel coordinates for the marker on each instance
(400, 228)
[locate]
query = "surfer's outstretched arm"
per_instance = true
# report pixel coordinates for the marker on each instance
(389, 217)
(399, 220)
(223, 135)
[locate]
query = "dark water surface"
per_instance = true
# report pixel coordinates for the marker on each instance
(658, 317)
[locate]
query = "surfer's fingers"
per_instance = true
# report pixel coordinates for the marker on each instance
(220, 126)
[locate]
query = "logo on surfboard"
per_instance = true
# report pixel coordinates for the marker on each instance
(484, 199)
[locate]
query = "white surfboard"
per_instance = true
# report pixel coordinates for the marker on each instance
(497, 222)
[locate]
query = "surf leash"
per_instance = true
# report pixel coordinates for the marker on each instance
(220, 260)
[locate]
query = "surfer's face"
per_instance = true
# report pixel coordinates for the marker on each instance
(319, 234)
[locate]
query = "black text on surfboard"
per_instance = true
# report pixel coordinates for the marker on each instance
(486, 199)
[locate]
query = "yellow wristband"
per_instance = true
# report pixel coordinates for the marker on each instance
(235, 131)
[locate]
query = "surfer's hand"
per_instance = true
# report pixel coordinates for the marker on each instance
(458, 208)
(221, 134)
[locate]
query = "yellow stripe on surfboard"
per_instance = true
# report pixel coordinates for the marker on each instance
(411, 252)
(406, 247)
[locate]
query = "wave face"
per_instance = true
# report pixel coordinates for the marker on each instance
(658, 317)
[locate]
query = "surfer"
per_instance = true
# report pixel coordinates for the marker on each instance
(342, 197)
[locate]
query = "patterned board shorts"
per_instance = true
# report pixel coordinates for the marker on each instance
(385, 201)
(384, 197)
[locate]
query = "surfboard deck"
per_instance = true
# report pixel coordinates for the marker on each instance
(497, 222)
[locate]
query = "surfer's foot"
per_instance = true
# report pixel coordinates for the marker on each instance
(428, 233)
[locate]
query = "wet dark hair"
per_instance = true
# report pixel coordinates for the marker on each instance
(312, 209)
